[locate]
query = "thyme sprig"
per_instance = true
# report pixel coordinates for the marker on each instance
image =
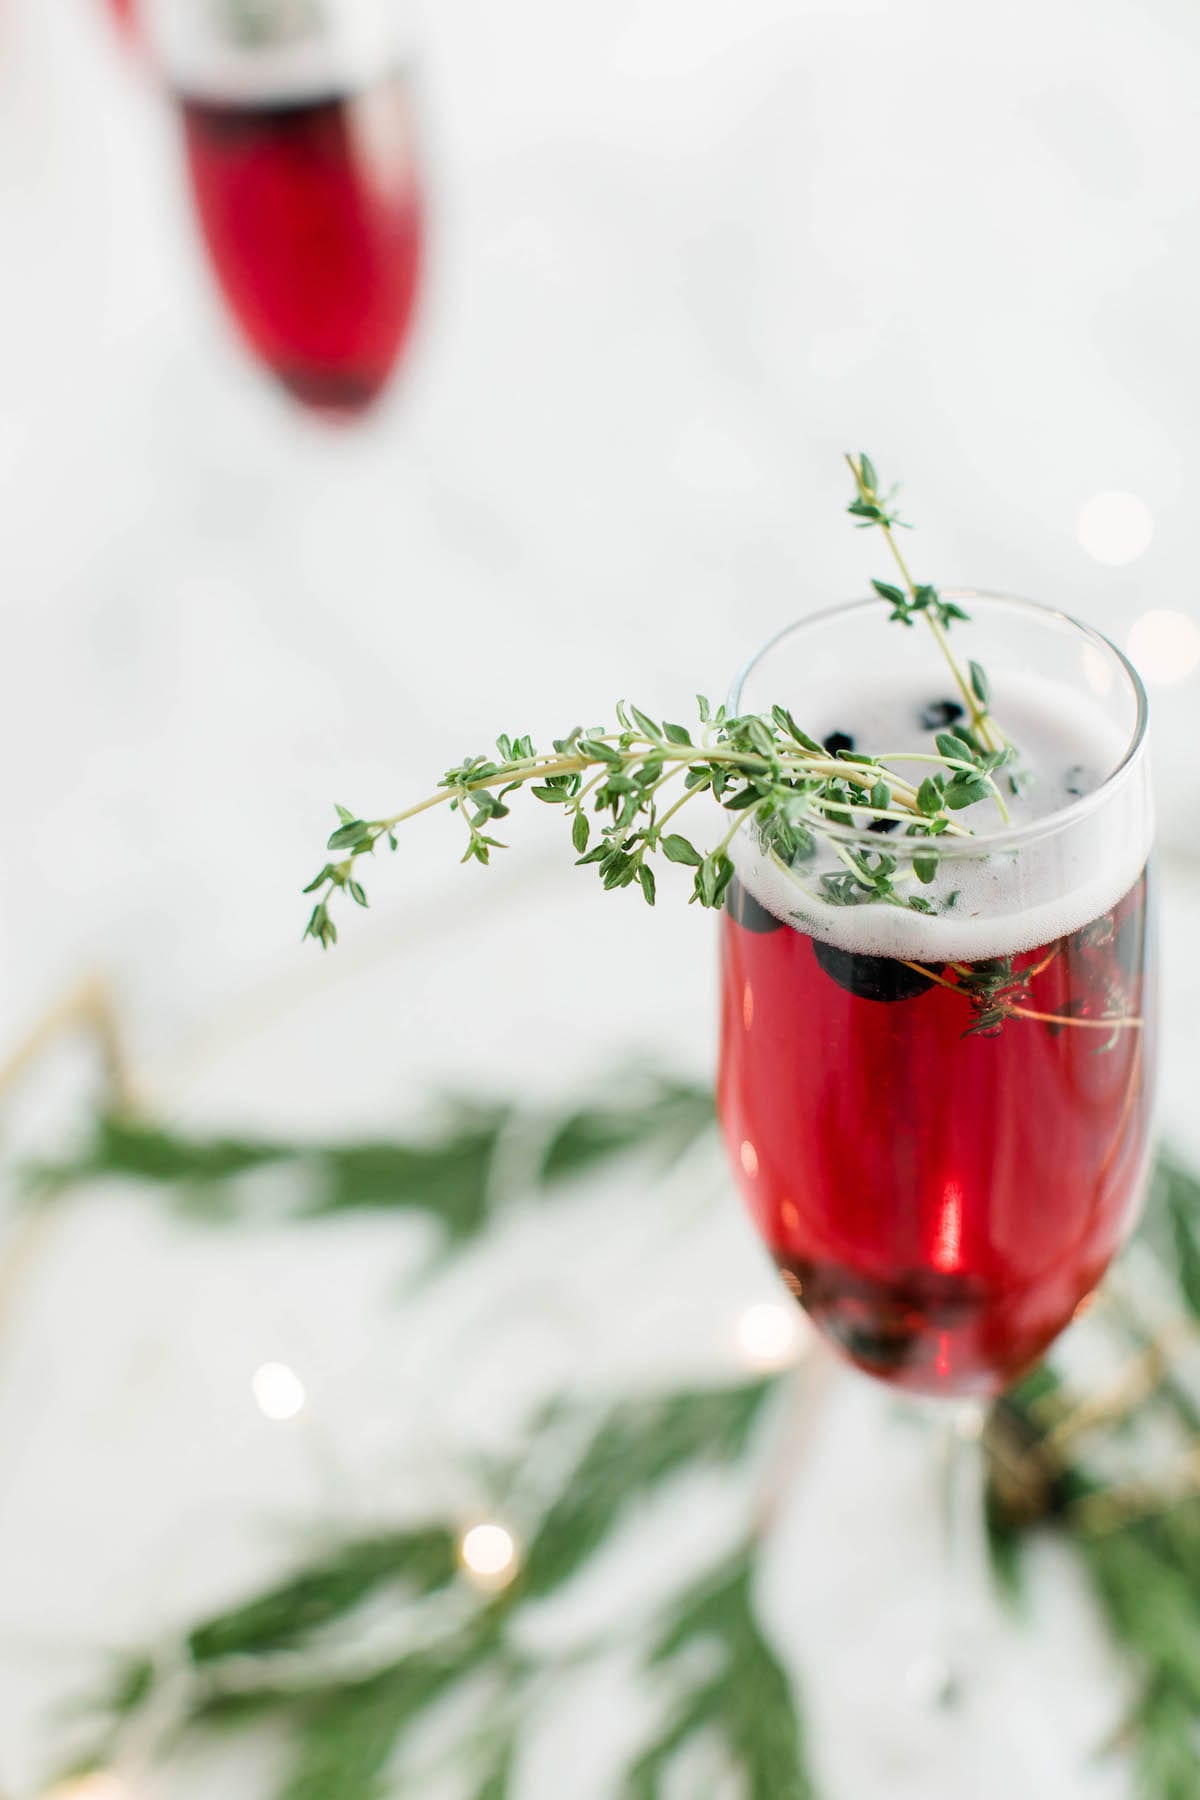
(997, 990)
(919, 599)
(764, 770)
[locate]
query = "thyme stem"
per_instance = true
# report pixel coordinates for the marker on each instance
(926, 601)
(762, 768)
(1010, 1008)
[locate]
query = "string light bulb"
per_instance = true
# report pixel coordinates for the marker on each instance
(1164, 647)
(278, 1391)
(97, 1784)
(1115, 528)
(770, 1335)
(488, 1553)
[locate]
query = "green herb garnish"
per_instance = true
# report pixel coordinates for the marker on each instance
(918, 599)
(623, 787)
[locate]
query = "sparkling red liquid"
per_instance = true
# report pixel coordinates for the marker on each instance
(940, 1204)
(312, 219)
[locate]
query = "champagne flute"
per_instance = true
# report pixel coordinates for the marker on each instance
(299, 129)
(939, 1118)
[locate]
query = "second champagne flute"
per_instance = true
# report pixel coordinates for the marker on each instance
(299, 128)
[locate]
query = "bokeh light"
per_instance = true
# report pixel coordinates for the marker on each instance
(1115, 528)
(98, 1785)
(770, 1335)
(278, 1391)
(1164, 647)
(489, 1554)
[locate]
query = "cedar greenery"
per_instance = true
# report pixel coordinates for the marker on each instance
(623, 787)
(1101, 1471)
(274, 1659)
(446, 1177)
(1097, 1470)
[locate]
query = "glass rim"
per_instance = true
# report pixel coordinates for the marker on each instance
(1015, 836)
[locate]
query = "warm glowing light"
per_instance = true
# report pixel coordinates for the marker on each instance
(789, 1212)
(747, 1006)
(749, 1156)
(769, 1335)
(970, 1422)
(1115, 528)
(96, 1786)
(489, 1554)
(278, 1391)
(946, 1253)
(1164, 647)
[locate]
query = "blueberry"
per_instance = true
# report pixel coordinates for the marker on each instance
(940, 714)
(744, 909)
(883, 1347)
(872, 977)
(883, 825)
(838, 740)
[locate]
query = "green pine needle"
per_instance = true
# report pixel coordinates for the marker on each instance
(270, 1657)
(446, 1177)
(747, 1701)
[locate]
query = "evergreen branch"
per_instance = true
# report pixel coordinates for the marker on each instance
(447, 1177)
(240, 1666)
(746, 1700)
(719, 1677)
(422, 1560)
(1052, 1458)
(639, 1446)
(347, 1737)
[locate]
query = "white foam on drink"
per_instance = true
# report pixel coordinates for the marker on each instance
(1008, 899)
(293, 51)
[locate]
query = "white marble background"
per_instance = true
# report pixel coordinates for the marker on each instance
(684, 254)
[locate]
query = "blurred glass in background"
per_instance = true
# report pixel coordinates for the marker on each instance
(299, 131)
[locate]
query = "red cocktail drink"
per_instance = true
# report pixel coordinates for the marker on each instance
(938, 1117)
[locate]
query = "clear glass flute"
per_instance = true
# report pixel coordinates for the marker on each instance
(939, 1119)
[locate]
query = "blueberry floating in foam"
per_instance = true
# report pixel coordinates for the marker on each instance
(838, 740)
(744, 910)
(939, 715)
(872, 977)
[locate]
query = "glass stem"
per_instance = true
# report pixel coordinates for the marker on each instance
(964, 1547)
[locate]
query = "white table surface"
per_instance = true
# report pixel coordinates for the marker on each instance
(658, 309)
